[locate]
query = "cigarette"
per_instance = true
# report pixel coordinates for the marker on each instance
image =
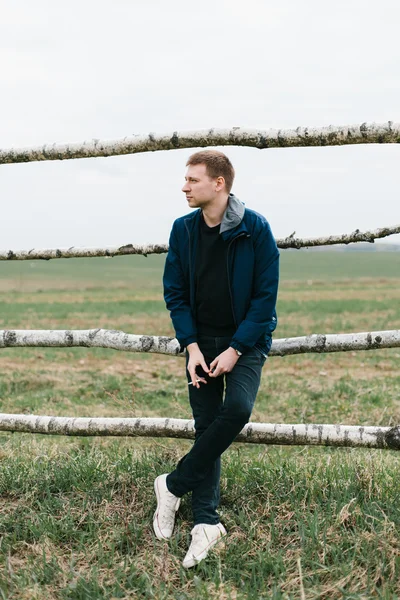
(197, 380)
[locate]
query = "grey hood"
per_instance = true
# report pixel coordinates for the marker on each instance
(233, 215)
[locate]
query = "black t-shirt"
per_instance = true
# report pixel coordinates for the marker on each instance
(213, 302)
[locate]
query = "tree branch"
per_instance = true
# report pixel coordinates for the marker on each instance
(255, 433)
(366, 133)
(346, 238)
(288, 242)
(118, 340)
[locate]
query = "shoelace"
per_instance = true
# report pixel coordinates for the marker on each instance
(198, 535)
(170, 503)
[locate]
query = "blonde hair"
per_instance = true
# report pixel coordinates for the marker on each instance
(217, 165)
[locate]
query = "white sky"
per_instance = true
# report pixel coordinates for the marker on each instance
(73, 70)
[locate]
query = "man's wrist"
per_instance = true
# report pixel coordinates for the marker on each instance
(192, 346)
(237, 352)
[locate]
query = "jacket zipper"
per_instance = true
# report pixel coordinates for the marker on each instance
(190, 262)
(227, 268)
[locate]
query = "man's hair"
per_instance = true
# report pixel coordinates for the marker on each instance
(217, 165)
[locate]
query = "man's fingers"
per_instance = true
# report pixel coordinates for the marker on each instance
(216, 373)
(215, 370)
(204, 367)
(196, 379)
(193, 377)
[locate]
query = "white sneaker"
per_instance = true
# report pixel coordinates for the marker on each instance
(204, 537)
(167, 505)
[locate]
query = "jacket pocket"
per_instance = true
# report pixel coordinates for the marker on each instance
(260, 351)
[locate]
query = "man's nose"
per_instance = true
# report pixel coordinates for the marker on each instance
(186, 188)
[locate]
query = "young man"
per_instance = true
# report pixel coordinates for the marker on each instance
(220, 286)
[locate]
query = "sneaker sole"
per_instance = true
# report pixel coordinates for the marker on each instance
(156, 527)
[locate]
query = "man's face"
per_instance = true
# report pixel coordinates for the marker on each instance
(200, 189)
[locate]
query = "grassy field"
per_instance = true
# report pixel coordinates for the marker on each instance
(75, 514)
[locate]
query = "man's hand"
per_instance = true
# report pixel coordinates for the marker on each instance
(224, 362)
(196, 359)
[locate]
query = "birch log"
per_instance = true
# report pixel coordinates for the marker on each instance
(129, 342)
(254, 433)
(288, 242)
(366, 133)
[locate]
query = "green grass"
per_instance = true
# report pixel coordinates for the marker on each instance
(75, 514)
(296, 265)
(76, 524)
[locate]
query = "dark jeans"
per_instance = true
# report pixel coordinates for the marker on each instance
(217, 424)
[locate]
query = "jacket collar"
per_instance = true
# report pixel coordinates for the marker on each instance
(232, 218)
(233, 215)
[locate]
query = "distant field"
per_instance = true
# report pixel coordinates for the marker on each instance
(75, 514)
(295, 265)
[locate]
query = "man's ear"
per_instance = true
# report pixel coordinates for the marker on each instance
(220, 183)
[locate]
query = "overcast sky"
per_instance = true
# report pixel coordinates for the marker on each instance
(72, 71)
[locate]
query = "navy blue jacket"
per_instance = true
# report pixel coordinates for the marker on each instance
(253, 274)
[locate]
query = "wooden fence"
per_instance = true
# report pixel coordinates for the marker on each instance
(325, 434)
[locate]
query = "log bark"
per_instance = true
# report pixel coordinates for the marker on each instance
(346, 238)
(285, 243)
(340, 342)
(366, 133)
(128, 342)
(254, 433)
(89, 338)
(73, 252)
